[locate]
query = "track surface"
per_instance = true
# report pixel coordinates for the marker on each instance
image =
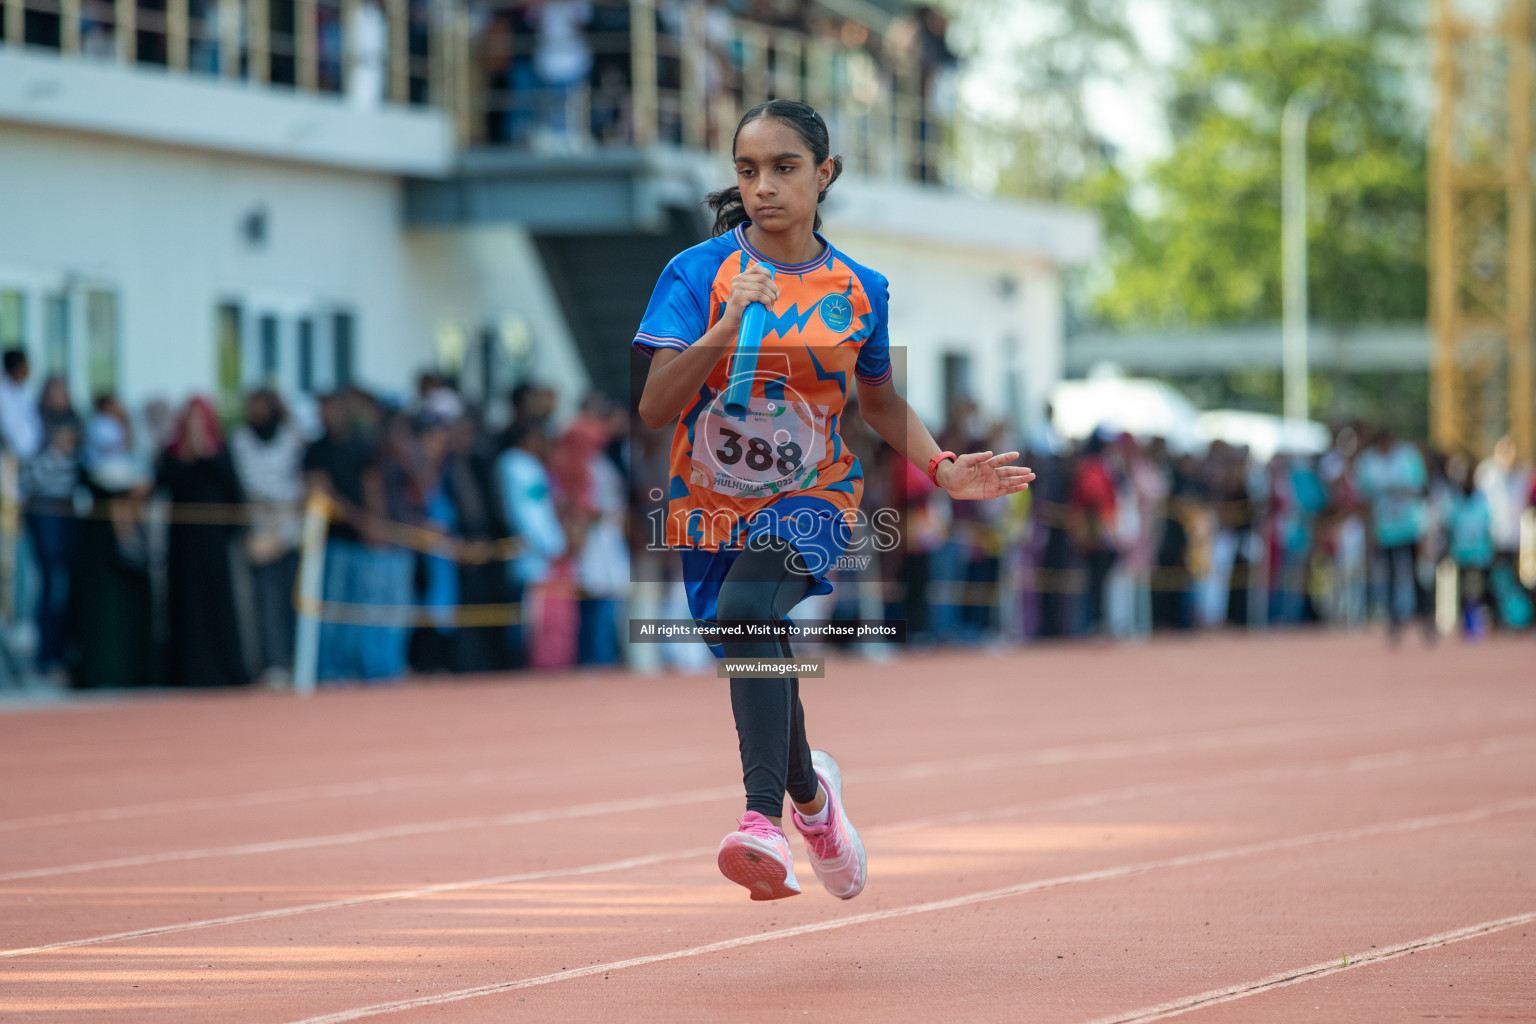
(1287, 828)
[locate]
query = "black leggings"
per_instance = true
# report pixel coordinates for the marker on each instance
(768, 579)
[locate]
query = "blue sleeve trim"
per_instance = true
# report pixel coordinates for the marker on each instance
(648, 345)
(874, 362)
(678, 312)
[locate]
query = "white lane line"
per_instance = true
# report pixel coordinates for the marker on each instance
(1363, 763)
(1111, 750)
(380, 897)
(332, 791)
(367, 787)
(988, 896)
(1212, 739)
(1166, 744)
(566, 813)
(1163, 1011)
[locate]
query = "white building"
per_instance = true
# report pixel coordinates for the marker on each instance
(161, 235)
(976, 291)
(176, 225)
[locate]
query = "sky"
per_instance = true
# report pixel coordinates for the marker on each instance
(1125, 109)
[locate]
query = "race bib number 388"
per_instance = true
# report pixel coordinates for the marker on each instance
(773, 448)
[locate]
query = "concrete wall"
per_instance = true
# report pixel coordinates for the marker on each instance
(1367, 348)
(162, 227)
(969, 276)
(153, 104)
(1001, 310)
(166, 228)
(465, 279)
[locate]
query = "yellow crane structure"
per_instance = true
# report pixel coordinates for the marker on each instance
(1480, 226)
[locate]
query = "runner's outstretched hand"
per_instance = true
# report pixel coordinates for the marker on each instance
(983, 475)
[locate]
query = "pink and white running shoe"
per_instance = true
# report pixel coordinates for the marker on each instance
(837, 852)
(757, 856)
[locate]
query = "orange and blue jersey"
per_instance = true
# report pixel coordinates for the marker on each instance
(827, 328)
(783, 459)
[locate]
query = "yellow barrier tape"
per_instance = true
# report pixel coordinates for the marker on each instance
(212, 513)
(955, 594)
(411, 616)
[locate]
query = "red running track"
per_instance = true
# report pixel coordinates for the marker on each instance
(1285, 828)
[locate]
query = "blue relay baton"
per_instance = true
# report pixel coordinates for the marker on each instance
(744, 366)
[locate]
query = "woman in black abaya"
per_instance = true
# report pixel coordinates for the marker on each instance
(203, 639)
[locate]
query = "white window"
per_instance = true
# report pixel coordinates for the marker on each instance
(101, 334)
(13, 319)
(68, 326)
(298, 346)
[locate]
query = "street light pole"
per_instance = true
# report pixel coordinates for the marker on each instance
(1293, 250)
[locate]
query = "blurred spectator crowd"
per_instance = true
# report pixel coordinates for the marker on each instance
(547, 73)
(558, 73)
(1121, 537)
(163, 548)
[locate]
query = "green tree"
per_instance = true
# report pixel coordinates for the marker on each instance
(1043, 54)
(1196, 239)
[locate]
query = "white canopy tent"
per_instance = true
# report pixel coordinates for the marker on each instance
(1263, 434)
(1142, 407)
(1147, 408)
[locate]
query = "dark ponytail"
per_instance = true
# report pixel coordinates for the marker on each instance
(808, 124)
(728, 207)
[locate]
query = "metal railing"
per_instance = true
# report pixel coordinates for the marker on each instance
(685, 77)
(635, 74)
(390, 51)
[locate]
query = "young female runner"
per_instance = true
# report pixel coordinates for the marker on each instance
(760, 498)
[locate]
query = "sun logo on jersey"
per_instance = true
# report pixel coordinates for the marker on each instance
(836, 312)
